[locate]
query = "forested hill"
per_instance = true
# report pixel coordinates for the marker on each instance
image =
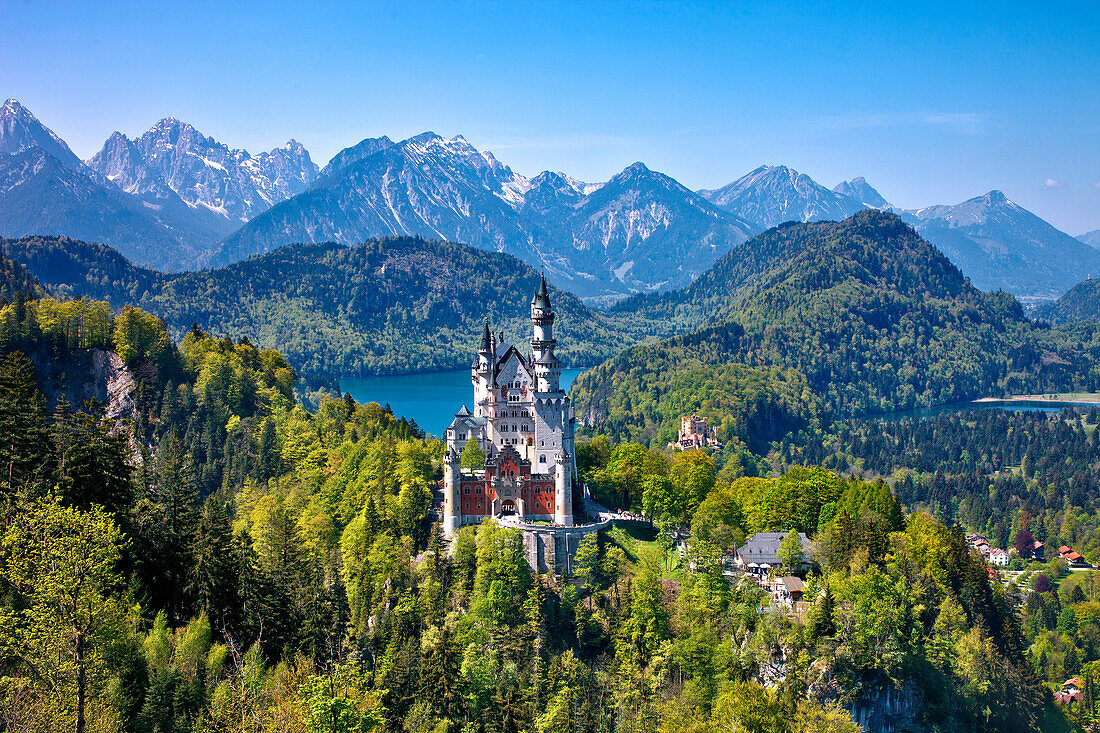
(874, 247)
(387, 306)
(1080, 303)
(16, 279)
(873, 316)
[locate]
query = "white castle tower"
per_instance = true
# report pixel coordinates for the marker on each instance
(524, 422)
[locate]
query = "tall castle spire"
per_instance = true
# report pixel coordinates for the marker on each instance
(547, 366)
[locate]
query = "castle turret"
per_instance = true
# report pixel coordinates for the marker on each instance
(563, 489)
(481, 373)
(547, 366)
(452, 479)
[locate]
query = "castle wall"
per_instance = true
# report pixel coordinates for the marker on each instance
(554, 549)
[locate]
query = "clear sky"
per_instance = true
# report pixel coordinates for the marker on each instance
(933, 102)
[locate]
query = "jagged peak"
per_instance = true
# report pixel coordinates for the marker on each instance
(425, 137)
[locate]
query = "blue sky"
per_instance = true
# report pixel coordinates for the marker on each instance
(933, 102)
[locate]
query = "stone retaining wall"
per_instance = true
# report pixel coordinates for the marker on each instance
(552, 549)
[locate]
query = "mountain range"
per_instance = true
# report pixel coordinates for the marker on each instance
(771, 195)
(639, 231)
(176, 199)
(1000, 244)
(1092, 238)
(162, 199)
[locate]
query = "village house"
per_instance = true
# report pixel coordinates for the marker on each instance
(998, 557)
(1073, 557)
(760, 553)
(1070, 692)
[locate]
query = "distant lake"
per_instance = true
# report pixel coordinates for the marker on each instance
(1008, 405)
(430, 399)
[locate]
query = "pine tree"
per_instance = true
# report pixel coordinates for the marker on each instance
(26, 459)
(215, 573)
(92, 459)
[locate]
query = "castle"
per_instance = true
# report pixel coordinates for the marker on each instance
(695, 433)
(524, 422)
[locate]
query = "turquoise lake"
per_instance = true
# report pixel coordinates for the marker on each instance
(430, 399)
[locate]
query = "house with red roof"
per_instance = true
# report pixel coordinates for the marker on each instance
(1070, 692)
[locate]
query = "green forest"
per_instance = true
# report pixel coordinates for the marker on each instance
(389, 306)
(291, 577)
(873, 318)
(198, 551)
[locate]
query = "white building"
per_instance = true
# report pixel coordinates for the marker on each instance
(524, 422)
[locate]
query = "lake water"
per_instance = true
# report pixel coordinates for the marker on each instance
(1009, 405)
(430, 399)
(433, 399)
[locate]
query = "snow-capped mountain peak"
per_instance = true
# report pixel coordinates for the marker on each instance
(203, 172)
(771, 195)
(21, 130)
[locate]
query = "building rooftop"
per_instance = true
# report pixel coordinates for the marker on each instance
(762, 549)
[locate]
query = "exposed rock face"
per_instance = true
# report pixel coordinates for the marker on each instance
(87, 374)
(203, 172)
(20, 130)
(884, 708)
(875, 702)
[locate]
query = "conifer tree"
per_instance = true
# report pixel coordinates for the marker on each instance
(25, 448)
(215, 572)
(92, 459)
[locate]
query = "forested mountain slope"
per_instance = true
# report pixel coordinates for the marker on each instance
(388, 306)
(16, 279)
(873, 316)
(1079, 303)
(244, 565)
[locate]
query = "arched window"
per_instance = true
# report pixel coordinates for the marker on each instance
(542, 458)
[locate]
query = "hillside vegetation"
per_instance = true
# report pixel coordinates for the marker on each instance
(394, 305)
(871, 315)
(242, 565)
(1079, 303)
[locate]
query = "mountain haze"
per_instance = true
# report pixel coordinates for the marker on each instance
(861, 191)
(1092, 238)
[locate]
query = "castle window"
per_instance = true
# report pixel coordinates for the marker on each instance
(542, 458)
(467, 506)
